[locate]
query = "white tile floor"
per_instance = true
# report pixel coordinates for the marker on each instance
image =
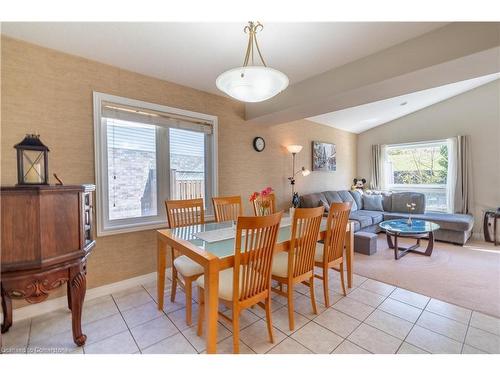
(373, 318)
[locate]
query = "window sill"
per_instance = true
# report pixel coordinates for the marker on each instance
(140, 227)
(131, 228)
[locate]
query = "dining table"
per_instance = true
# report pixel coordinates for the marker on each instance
(211, 245)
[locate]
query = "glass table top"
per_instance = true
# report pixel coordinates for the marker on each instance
(402, 226)
(225, 247)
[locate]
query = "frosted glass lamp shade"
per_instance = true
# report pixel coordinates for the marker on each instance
(294, 149)
(305, 172)
(252, 83)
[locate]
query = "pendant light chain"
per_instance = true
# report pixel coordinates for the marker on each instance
(252, 30)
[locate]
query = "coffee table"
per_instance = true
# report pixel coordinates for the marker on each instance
(418, 229)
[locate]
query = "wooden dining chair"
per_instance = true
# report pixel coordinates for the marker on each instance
(249, 282)
(227, 208)
(181, 213)
(257, 205)
(330, 254)
(297, 265)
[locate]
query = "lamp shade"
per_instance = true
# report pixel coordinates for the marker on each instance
(305, 172)
(252, 83)
(294, 149)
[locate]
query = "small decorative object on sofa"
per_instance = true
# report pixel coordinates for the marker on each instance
(411, 208)
(32, 161)
(261, 198)
(359, 185)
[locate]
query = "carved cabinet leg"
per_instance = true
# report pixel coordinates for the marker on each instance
(7, 311)
(77, 285)
(68, 294)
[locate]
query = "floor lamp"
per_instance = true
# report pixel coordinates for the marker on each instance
(294, 150)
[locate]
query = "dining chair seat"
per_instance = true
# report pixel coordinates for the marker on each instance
(280, 264)
(225, 283)
(187, 267)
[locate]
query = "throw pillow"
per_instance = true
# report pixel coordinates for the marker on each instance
(373, 202)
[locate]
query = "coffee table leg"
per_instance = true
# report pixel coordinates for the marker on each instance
(430, 244)
(389, 240)
(396, 247)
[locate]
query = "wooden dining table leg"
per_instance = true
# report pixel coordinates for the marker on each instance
(212, 304)
(161, 265)
(349, 247)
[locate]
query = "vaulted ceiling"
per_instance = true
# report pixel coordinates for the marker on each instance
(350, 75)
(194, 54)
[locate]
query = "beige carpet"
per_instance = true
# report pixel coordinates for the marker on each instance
(467, 276)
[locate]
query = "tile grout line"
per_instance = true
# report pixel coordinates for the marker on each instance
(166, 315)
(364, 320)
(411, 329)
(128, 328)
(466, 332)
(29, 336)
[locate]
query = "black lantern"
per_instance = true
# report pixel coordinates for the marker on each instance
(32, 161)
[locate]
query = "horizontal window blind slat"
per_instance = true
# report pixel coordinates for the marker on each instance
(146, 116)
(126, 135)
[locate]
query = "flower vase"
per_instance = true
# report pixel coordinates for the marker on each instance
(409, 222)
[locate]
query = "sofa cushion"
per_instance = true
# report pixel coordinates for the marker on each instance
(453, 222)
(376, 216)
(347, 197)
(400, 200)
(387, 201)
(312, 200)
(373, 202)
(357, 226)
(358, 198)
(363, 219)
(332, 197)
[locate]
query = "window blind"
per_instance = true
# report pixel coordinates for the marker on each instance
(148, 116)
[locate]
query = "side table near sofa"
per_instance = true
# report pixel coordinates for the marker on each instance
(491, 218)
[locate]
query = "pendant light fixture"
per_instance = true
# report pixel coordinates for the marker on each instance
(252, 83)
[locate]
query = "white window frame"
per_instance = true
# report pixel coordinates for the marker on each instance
(418, 188)
(104, 226)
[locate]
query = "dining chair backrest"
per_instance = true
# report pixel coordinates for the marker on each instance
(257, 205)
(181, 213)
(305, 232)
(227, 208)
(336, 225)
(254, 249)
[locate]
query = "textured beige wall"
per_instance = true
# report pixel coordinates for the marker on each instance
(50, 93)
(475, 113)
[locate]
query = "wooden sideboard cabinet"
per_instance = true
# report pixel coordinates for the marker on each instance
(46, 238)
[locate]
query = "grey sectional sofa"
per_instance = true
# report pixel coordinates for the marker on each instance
(454, 228)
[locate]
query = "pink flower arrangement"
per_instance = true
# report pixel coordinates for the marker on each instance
(264, 203)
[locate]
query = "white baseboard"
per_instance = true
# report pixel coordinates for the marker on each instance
(31, 311)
